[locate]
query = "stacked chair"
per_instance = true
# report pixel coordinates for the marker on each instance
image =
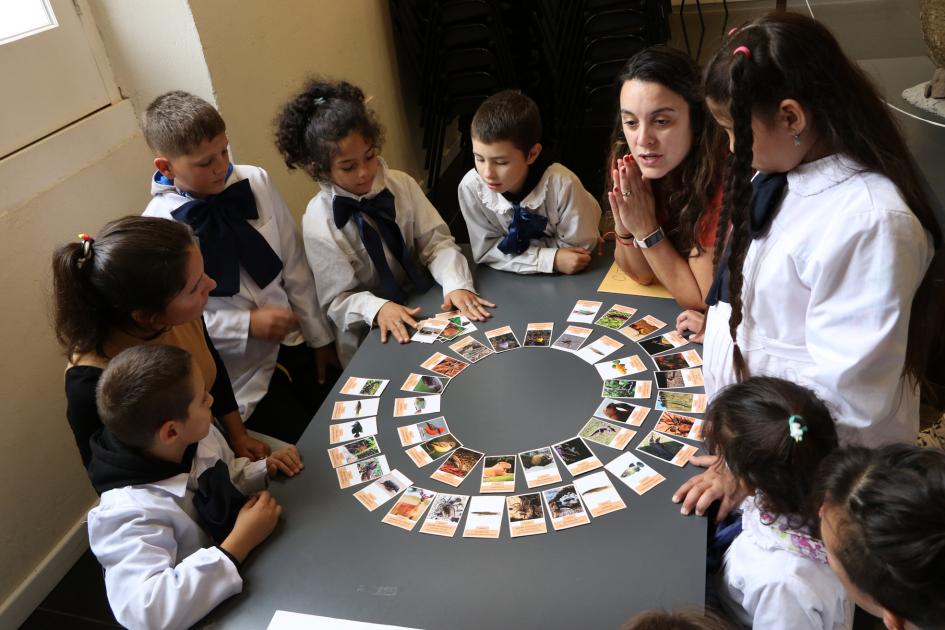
(565, 54)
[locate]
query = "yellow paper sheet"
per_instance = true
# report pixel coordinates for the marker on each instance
(616, 281)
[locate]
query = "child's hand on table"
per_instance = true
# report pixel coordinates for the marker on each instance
(717, 482)
(287, 460)
(691, 321)
(571, 260)
(247, 446)
(467, 303)
(394, 318)
(253, 525)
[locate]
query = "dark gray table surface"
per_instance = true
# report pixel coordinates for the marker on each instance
(332, 557)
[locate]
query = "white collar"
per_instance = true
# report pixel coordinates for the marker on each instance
(498, 203)
(176, 485)
(815, 177)
(770, 532)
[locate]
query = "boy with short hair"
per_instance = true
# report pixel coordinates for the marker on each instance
(524, 214)
(264, 309)
(170, 488)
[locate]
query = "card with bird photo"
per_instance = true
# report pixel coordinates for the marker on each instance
(422, 431)
(362, 471)
(416, 405)
(576, 456)
(425, 384)
(352, 430)
(666, 448)
(607, 434)
(622, 411)
(347, 409)
(382, 490)
(353, 451)
(433, 449)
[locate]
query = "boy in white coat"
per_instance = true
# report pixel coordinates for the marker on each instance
(170, 487)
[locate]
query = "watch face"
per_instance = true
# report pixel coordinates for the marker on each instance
(652, 239)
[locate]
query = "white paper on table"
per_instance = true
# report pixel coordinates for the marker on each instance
(284, 620)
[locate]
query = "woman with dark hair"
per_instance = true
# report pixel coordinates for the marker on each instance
(140, 281)
(665, 175)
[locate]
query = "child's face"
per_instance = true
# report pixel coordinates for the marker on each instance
(656, 125)
(199, 417)
(829, 533)
(354, 165)
(201, 172)
(189, 303)
(773, 149)
(502, 165)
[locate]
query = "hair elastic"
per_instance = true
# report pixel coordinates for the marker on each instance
(734, 29)
(318, 100)
(796, 429)
(86, 248)
(743, 50)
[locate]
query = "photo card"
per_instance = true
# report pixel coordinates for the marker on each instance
(444, 365)
(444, 515)
(678, 379)
(622, 411)
(619, 388)
(347, 409)
(584, 311)
(502, 339)
(433, 449)
(354, 451)
(498, 474)
(606, 434)
(539, 467)
(599, 349)
(362, 471)
(663, 343)
(485, 517)
(672, 423)
(616, 317)
(599, 494)
(526, 514)
(680, 401)
(576, 456)
(429, 330)
(678, 360)
(471, 349)
(352, 430)
(634, 473)
(635, 331)
(666, 448)
(382, 490)
(425, 384)
(416, 405)
(409, 508)
(619, 368)
(538, 334)
(422, 431)
(565, 507)
(457, 325)
(572, 338)
(457, 466)
(356, 386)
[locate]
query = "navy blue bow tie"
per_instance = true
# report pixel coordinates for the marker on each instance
(382, 211)
(524, 227)
(228, 241)
(767, 190)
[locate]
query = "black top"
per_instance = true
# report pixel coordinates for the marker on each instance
(82, 413)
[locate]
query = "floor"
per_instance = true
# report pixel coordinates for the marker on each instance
(868, 29)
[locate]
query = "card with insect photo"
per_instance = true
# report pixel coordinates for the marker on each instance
(538, 334)
(526, 515)
(471, 349)
(382, 490)
(409, 508)
(622, 411)
(679, 425)
(355, 386)
(634, 473)
(572, 338)
(444, 515)
(422, 431)
(362, 471)
(352, 430)
(599, 494)
(666, 448)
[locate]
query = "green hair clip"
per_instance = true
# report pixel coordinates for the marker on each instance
(796, 428)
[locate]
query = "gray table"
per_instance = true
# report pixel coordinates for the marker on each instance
(332, 557)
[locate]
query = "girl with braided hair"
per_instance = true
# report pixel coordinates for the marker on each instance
(826, 276)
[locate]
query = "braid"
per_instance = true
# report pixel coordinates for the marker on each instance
(739, 193)
(725, 216)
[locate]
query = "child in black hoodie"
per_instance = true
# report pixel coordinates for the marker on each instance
(170, 488)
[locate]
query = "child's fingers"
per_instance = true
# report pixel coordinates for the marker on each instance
(284, 466)
(705, 461)
(400, 332)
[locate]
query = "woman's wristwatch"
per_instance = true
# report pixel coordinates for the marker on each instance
(650, 239)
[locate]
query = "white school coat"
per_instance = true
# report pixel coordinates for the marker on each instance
(161, 568)
(573, 218)
(766, 584)
(827, 298)
(251, 361)
(346, 275)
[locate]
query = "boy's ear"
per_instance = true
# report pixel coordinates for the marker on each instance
(533, 154)
(168, 432)
(164, 166)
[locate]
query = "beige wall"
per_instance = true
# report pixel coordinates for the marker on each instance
(247, 57)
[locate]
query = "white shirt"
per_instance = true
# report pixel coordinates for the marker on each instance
(573, 216)
(161, 568)
(346, 275)
(765, 583)
(250, 361)
(827, 298)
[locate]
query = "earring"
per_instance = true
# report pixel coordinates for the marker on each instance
(797, 138)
